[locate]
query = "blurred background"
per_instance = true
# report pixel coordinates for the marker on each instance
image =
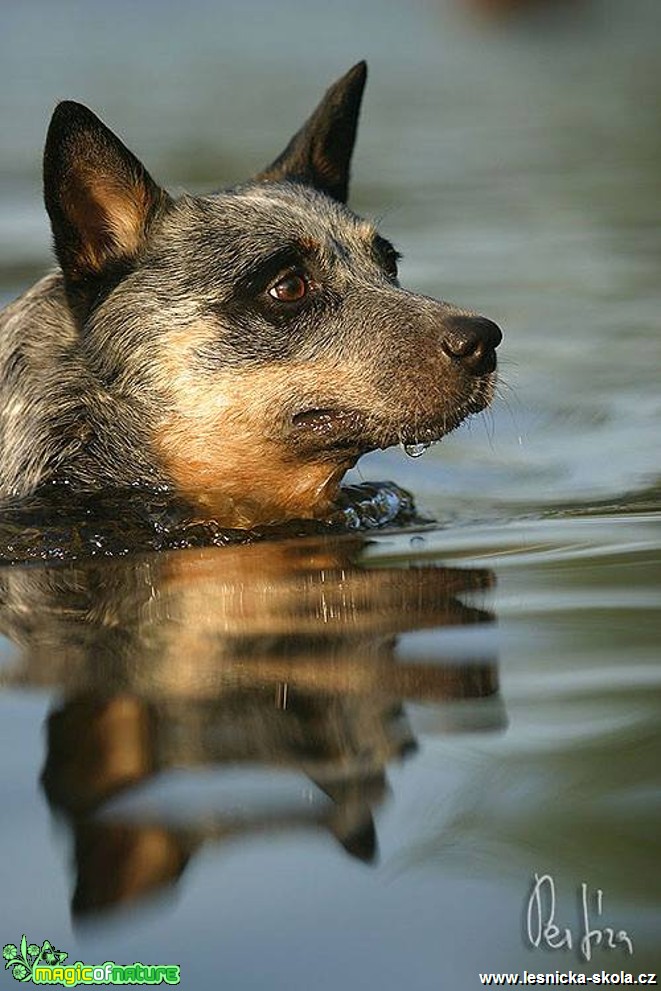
(511, 149)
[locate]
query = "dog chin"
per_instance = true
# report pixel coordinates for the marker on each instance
(430, 429)
(347, 432)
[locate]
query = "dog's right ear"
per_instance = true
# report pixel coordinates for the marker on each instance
(319, 155)
(99, 197)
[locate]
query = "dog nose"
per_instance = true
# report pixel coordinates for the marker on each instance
(473, 342)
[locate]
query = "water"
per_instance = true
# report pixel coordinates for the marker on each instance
(415, 450)
(338, 762)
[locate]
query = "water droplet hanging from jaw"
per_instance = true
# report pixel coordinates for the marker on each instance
(415, 450)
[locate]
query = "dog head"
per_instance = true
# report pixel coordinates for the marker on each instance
(261, 332)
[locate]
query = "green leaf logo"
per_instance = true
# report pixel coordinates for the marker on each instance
(23, 958)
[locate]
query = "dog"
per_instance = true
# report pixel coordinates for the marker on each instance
(241, 350)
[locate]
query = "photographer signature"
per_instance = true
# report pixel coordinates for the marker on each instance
(543, 929)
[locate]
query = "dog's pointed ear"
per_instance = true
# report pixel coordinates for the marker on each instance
(319, 155)
(100, 198)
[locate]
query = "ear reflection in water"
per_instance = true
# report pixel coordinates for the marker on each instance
(267, 675)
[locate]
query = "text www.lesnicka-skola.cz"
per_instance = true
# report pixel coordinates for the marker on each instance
(559, 977)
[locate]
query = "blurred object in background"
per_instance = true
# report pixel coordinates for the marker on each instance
(496, 8)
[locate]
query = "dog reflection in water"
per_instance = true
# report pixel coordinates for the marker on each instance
(278, 655)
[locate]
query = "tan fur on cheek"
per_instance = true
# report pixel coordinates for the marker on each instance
(244, 482)
(223, 443)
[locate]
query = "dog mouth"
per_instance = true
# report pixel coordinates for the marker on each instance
(330, 429)
(324, 420)
(342, 430)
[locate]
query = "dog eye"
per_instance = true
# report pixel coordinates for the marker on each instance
(290, 289)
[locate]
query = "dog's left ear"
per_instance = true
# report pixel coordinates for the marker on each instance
(101, 200)
(319, 155)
